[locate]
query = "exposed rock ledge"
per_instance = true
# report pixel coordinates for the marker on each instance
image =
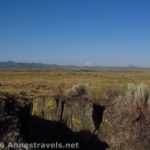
(51, 119)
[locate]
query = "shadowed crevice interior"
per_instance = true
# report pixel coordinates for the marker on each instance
(36, 129)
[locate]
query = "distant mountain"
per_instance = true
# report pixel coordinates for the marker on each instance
(12, 64)
(25, 65)
(132, 67)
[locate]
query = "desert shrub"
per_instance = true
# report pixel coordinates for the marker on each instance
(130, 91)
(132, 115)
(137, 96)
(77, 90)
(142, 93)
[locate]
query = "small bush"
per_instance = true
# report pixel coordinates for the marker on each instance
(77, 90)
(142, 93)
(130, 91)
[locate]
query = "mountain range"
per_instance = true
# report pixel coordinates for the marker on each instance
(12, 64)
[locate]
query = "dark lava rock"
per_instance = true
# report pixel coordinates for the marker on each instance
(9, 122)
(50, 120)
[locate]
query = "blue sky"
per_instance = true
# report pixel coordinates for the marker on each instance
(99, 32)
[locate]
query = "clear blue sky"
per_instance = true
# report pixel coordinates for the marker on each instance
(101, 32)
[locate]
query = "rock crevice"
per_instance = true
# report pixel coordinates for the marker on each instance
(50, 119)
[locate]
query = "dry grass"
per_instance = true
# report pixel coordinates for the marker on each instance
(55, 81)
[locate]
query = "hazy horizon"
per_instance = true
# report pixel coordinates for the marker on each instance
(87, 64)
(77, 32)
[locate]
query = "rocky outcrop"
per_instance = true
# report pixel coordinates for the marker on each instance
(77, 114)
(76, 119)
(51, 119)
(9, 121)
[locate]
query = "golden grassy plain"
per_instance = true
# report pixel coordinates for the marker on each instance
(37, 82)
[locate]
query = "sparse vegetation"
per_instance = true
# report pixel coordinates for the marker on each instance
(77, 90)
(45, 82)
(132, 121)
